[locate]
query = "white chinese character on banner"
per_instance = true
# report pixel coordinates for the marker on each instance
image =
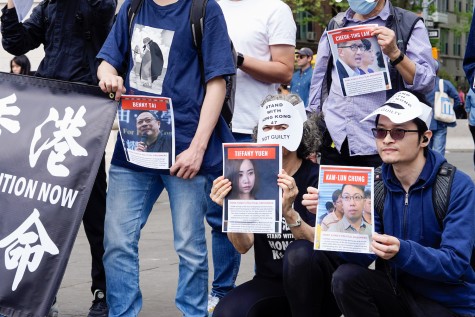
(25, 248)
(63, 141)
(9, 124)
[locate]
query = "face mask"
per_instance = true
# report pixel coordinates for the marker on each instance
(362, 7)
(281, 113)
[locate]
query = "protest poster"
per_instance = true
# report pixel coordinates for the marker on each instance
(53, 135)
(147, 130)
(346, 227)
(254, 204)
(359, 62)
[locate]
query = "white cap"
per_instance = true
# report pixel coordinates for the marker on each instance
(404, 107)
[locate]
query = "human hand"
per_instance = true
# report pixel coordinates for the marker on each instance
(387, 41)
(385, 246)
(310, 200)
(289, 191)
(187, 164)
(112, 84)
(221, 188)
(141, 147)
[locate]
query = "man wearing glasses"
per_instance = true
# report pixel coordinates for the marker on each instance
(346, 140)
(422, 268)
(353, 203)
(301, 79)
(148, 130)
(349, 62)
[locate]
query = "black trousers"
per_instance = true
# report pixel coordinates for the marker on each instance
(93, 221)
(307, 280)
(331, 156)
(360, 291)
(472, 131)
(258, 297)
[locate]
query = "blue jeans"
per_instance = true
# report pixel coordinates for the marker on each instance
(438, 140)
(242, 137)
(130, 199)
(226, 259)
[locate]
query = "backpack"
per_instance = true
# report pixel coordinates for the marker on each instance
(197, 14)
(440, 195)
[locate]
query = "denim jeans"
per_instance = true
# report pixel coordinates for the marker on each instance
(438, 140)
(226, 259)
(130, 199)
(242, 137)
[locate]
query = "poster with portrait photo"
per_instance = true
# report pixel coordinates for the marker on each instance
(360, 64)
(348, 226)
(147, 130)
(254, 204)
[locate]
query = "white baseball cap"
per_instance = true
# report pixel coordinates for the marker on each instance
(404, 107)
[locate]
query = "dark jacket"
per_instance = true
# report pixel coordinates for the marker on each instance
(432, 261)
(72, 32)
(469, 60)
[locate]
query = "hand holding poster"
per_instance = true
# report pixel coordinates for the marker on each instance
(359, 61)
(147, 130)
(346, 227)
(254, 203)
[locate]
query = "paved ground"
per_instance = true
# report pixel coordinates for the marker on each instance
(158, 262)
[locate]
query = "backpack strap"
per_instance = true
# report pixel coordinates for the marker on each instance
(197, 14)
(134, 8)
(379, 193)
(442, 190)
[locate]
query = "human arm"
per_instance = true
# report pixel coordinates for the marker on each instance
(189, 161)
(289, 192)
(278, 70)
(450, 260)
(452, 93)
(319, 72)
(417, 68)
(242, 242)
(19, 38)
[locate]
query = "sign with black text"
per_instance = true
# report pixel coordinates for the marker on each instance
(53, 135)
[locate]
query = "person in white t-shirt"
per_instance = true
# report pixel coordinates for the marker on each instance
(263, 33)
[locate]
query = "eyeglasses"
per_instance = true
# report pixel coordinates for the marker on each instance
(355, 47)
(356, 198)
(302, 56)
(396, 134)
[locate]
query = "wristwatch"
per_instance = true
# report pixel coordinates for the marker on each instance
(240, 59)
(297, 223)
(397, 60)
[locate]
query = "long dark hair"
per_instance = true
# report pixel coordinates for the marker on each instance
(232, 173)
(23, 62)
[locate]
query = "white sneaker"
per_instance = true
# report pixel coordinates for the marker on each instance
(212, 302)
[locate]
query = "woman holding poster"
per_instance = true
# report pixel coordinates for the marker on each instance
(264, 295)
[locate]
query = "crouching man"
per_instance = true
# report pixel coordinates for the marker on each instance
(423, 260)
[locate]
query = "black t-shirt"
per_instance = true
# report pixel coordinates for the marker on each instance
(269, 248)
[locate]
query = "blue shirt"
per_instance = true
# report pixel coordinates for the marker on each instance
(451, 91)
(470, 107)
(182, 79)
(343, 114)
(300, 84)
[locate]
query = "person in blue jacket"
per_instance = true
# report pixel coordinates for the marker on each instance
(469, 59)
(470, 109)
(426, 268)
(422, 269)
(439, 128)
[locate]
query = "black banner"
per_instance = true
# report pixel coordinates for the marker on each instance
(52, 138)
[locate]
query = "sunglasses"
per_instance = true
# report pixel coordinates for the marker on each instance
(302, 56)
(396, 134)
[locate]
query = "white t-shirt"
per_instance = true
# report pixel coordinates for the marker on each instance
(253, 26)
